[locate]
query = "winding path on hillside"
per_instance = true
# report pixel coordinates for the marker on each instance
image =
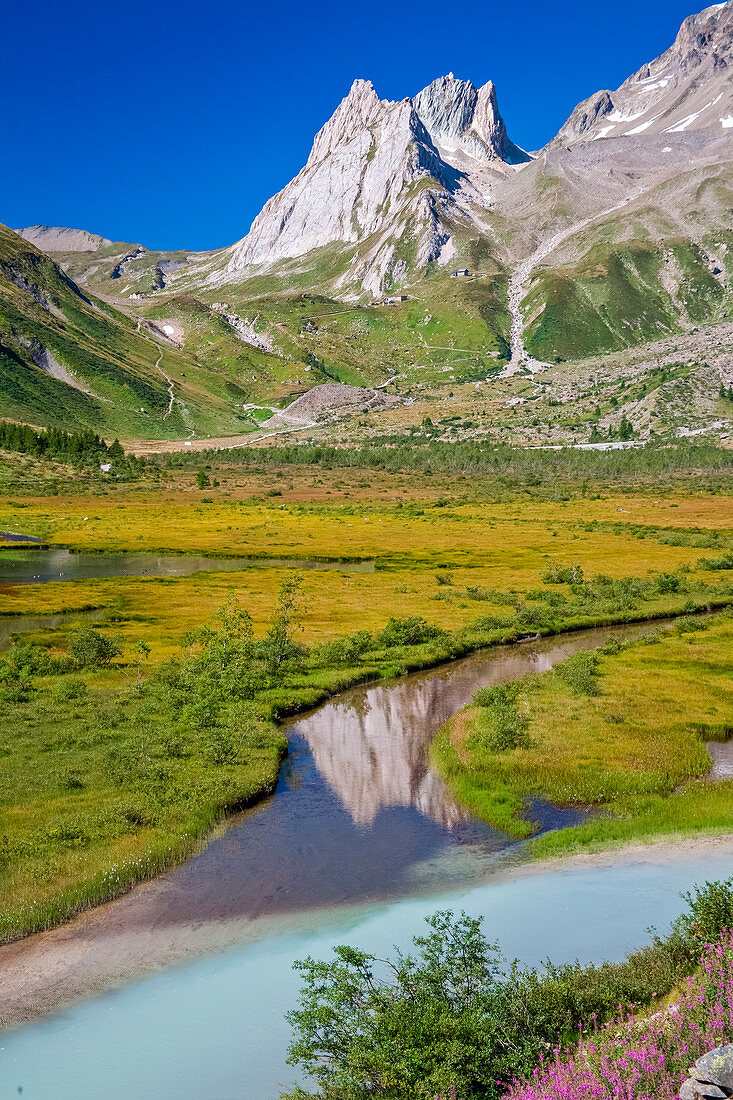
(171, 395)
(169, 381)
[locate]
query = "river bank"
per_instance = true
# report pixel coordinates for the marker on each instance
(357, 818)
(95, 873)
(207, 1025)
(635, 719)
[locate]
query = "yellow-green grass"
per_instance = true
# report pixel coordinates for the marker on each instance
(491, 548)
(306, 524)
(636, 751)
(73, 832)
(504, 547)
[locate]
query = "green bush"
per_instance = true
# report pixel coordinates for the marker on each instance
(556, 574)
(90, 649)
(455, 1014)
(580, 673)
(342, 651)
(669, 582)
(723, 562)
(501, 724)
(410, 631)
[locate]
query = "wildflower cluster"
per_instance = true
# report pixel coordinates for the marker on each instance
(644, 1059)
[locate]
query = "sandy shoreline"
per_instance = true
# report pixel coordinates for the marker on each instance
(114, 943)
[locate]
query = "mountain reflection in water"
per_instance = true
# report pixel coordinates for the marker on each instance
(371, 746)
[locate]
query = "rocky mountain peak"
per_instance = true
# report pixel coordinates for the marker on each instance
(356, 112)
(464, 121)
(366, 174)
(688, 87)
(708, 33)
(704, 41)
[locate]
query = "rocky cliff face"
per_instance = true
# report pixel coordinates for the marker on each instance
(464, 123)
(688, 87)
(383, 168)
(359, 171)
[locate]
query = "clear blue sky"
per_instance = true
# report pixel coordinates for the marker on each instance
(172, 122)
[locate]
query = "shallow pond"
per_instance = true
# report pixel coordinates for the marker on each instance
(25, 624)
(42, 566)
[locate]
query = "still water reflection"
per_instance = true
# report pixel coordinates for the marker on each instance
(44, 566)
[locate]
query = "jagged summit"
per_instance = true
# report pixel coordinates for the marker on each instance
(362, 177)
(356, 111)
(464, 122)
(689, 86)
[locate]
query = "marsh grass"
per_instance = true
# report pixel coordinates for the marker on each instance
(630, 742)
(100, 788)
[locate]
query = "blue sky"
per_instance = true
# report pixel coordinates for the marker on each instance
(172, 122)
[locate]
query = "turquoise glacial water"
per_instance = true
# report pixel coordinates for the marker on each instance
(214, 1029)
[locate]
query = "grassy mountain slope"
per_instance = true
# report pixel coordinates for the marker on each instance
(68, 359)
(653, 269)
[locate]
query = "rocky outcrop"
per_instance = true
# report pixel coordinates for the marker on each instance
(711, 1077)
(244, 329)
(464, 122)
(15, 275)
(688, 87)
(121, 266)
(46, 362)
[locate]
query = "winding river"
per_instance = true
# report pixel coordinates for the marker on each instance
(180, 988)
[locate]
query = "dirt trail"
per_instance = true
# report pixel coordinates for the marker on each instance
(171, 395)
(158, 367)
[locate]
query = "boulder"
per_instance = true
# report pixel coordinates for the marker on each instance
(717, 1066)
(693, 1089)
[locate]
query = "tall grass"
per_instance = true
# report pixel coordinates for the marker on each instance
(629, 741)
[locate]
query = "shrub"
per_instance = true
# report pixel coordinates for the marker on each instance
(501, 724)
(572, 574)
(724, 562)
(68, 688)
(456, 1015)
(669, 582)
(580, 673)
(688, 624)
(343, 651)
(410, 631)
(90, 649)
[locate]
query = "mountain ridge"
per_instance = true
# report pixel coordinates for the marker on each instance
(616, 235)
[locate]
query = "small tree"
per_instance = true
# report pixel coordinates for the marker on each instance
(142, 650)
(90, 649)
(386, 1028)
(279, 646)
(625, 429)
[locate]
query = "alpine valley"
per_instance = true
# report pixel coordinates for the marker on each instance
(420, 268)
(372, 577)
